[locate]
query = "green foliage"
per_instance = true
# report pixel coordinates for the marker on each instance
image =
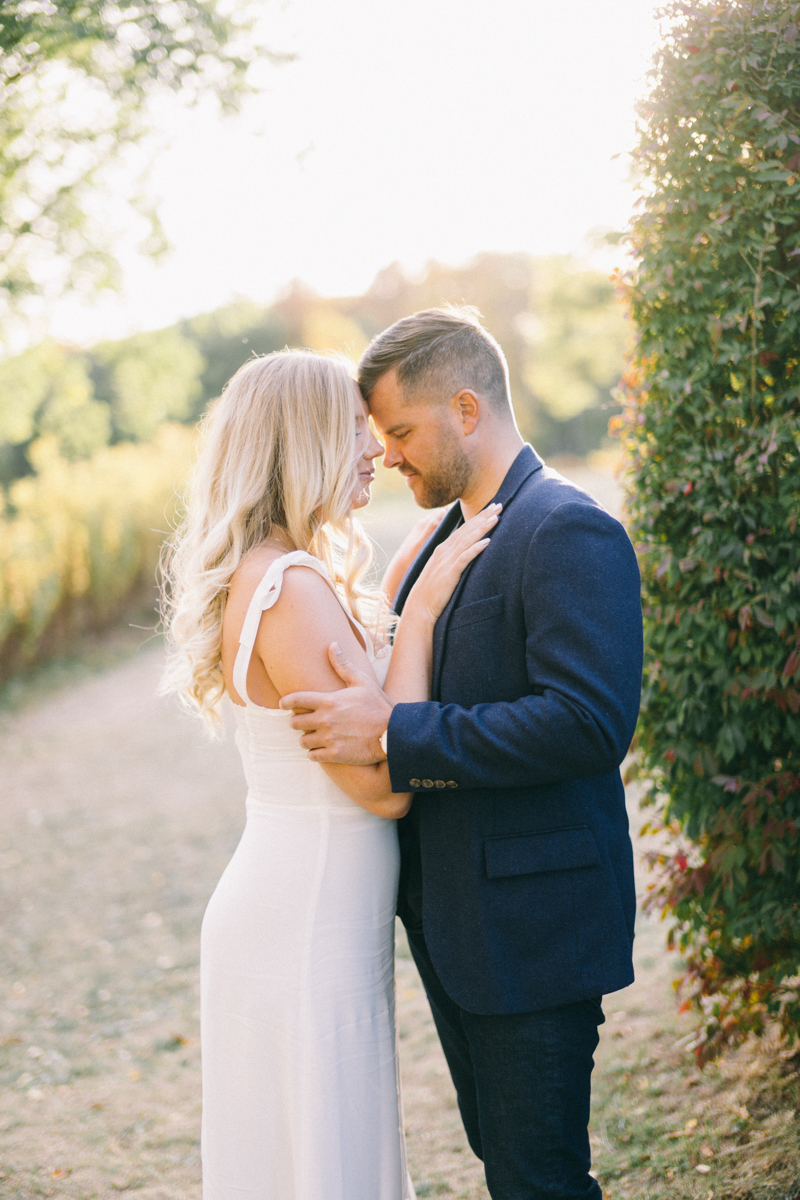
(75, 79)
(712, 429)
(150, 378)
(47, 391)
(78, 539)
(579, 340)
(83, 400)
(71, 549)
(228, 337)
(79, 423)
(130, 44)
(560, 325)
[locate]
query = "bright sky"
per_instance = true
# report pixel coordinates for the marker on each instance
(406, 130)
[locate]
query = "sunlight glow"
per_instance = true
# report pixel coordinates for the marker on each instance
(403, 131)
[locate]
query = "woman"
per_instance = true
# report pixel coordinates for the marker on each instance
(300, 1086)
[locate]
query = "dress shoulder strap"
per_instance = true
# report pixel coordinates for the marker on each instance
(264, 597)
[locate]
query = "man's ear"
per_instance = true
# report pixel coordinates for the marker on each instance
(468, 406)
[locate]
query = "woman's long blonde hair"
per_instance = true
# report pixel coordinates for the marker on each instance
(277, 458)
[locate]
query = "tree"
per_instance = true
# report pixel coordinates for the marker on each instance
(76, 78)
(577, 338)
(148, 379)
(712, 430)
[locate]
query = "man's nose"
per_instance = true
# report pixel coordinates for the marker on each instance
(391, 458)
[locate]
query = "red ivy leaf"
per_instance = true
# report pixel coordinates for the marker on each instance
(792, 664)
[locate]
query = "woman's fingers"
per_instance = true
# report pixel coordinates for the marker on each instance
(474, 550)
(444, 568)
(472, 530)
(469, 533)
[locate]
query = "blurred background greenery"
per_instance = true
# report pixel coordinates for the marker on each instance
(93, 440)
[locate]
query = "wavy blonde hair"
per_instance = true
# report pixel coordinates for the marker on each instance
(277, 458)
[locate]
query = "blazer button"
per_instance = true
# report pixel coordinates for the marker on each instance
(438, 783)
(414, 783)
(451, 783)
(427, 783)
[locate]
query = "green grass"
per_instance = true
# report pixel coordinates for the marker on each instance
(663, 1130)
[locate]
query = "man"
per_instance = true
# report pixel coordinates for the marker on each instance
(517, 871)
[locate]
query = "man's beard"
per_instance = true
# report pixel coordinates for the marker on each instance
(448, 478)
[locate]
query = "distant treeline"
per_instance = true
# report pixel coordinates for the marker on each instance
(560, 326)
(90, 443)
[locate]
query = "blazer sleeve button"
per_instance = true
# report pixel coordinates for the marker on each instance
(438, 783)
(451, 783)
(414, 783)
(427, 783)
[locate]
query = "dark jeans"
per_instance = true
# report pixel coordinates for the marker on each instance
(523, 1084)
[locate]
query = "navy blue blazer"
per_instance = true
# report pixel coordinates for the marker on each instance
(519, 814)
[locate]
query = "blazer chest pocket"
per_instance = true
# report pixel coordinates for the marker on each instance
(535, 853)
(479, 610)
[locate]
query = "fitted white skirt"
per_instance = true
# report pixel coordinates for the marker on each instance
(300, 1081)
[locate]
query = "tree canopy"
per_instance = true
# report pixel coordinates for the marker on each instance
(75, 80)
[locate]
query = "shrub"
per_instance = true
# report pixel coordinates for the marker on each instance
(712, 430)
(78, 539)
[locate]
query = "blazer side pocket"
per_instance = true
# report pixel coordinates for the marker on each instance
(479, 610)
(535, 853)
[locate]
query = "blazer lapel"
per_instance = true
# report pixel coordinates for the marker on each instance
(524, 465)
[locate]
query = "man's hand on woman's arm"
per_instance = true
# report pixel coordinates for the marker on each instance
(343, 726)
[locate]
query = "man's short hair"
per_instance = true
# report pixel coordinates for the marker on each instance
(436, 353)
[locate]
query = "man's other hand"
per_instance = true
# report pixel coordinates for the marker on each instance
(343, 726)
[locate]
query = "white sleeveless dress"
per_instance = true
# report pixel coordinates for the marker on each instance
(301, 1097)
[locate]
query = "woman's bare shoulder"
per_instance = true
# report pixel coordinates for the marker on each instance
(305, 595)
(252, 569)
(296, 631)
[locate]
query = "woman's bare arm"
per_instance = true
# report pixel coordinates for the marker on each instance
(292, 645)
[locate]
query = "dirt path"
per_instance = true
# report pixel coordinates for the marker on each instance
(118, 820)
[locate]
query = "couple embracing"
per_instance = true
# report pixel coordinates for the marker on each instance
(459, 766)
